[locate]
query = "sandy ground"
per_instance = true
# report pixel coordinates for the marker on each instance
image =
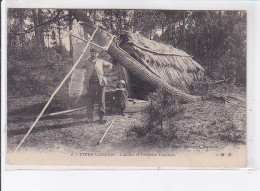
(201, 128)
(69, 131)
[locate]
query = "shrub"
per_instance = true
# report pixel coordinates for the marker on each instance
(156, 126)
(162, 107)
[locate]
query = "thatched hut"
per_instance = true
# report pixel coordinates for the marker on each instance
(174, 66)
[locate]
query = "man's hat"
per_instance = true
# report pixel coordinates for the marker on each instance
(93, 50)
(121, 82)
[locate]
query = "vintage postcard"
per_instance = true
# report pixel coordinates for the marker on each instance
(126, 88)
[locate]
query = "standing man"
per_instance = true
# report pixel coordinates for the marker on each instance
(96, 85)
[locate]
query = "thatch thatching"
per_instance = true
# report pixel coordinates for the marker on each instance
(174, 66)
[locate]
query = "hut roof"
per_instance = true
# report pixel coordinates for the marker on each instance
(174, 66)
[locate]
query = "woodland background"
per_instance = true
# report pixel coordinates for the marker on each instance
(215, 39)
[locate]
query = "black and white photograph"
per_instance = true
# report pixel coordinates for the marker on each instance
(127, 87)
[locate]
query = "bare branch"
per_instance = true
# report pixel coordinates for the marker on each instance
(54, 19)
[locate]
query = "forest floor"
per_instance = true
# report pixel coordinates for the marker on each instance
(203, 126)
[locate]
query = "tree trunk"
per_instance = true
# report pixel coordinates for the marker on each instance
(133, 65)
(111, 20)
(70, 39)
(59, 33)
(21, 20)
(37, 43)
(134, 21)
(41, 30)
(94, 16)
(161, 37)
(124, 18)
(184, 30)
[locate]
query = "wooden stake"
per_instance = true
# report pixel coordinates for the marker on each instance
(100, 141)
(54, 93)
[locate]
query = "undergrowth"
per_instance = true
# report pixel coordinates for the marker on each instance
(205, 124)
(32, 78)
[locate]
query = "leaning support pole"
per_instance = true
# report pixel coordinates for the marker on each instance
(55, 92)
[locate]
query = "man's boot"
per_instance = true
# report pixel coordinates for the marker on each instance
(122, 112)
(101, 117)
(89, 119)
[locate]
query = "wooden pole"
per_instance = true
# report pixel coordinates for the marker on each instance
(54, 93)
(66, 111)
(100, 141)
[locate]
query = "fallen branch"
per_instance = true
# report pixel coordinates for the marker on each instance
(233, 97)
(54, 19)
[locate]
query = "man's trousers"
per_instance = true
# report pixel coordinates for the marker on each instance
(95, 94)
